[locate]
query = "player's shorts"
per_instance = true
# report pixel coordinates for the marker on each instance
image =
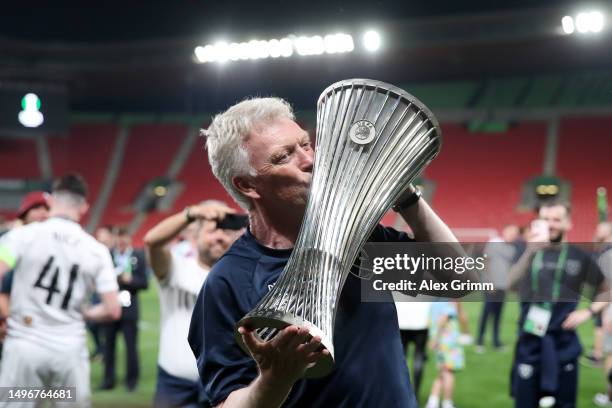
(28, 364)
(174, 392)
(526, 385)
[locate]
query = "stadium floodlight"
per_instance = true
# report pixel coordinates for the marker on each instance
(286, 46)
(567, 23)
(597, 21)
(335, 43)
(234, 51)
(222, 51)
(585, 22)
(371, 40)
(274, 48)
(310, 45)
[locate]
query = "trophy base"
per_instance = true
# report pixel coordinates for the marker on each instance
(322, 367)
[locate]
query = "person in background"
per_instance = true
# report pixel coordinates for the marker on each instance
(46, 345)
(180, 277)
(603, 239)
(131, 272)
(500, 256)
(444, 342)
(465, 338)
(185, 242)
(550, 276)
(34, 207)
(106, 236)
(413, 319)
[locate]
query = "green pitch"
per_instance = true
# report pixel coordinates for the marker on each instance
(483, 384)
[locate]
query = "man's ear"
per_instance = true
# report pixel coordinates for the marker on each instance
(570, 225)
(84, 208)
(246, 186)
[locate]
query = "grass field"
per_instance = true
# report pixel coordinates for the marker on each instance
(483, 384)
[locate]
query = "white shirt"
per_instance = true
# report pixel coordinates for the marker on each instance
(411, 315)
(178, 292)
(57, 265)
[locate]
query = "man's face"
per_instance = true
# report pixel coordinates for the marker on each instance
(189, 233)
(282, 157)
(212, 242)
(603, 232)
(511, 233)
(36, 214)
(105, 237)
(124, 241)
(558, 221)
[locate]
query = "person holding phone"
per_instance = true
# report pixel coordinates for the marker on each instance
(180, 279)
(550, 276)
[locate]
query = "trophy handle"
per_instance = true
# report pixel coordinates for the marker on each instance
(266, 328)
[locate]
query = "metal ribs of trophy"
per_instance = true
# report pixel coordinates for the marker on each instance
(372, 140)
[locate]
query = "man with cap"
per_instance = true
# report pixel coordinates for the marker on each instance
(33, 208)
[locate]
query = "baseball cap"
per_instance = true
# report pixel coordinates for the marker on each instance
(31, 200)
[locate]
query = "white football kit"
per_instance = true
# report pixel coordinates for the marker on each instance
(57, 265)
(178, 292)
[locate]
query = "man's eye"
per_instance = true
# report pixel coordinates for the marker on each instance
(281, 158)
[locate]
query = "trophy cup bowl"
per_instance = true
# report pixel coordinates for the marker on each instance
(372, 140)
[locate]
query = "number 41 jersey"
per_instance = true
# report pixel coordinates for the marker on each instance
(56, 265)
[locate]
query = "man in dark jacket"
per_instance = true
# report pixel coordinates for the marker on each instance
(130, 267)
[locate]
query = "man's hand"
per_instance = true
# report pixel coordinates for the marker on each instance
(210, 211)
(535, 242)
(576, 318)
(285, 358)
(125, 278)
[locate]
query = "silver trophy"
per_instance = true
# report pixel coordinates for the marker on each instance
(372, 140)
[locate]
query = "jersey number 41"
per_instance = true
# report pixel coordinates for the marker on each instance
(52, 286)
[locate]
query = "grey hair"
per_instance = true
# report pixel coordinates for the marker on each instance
(226, 135)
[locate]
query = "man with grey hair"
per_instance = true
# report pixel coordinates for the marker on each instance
(265, 161)
(56, 263)
(180, 278)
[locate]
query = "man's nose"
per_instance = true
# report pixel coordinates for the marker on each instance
(306, 159)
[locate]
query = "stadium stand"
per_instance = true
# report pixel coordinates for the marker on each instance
(469, 198)
(148, 153)
(479, 176)
(18, 159)
(86, 149)
(584, 158)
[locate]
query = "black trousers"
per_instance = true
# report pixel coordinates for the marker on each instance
(97, 334)
(494, 303)
(419, 338)
(129, 328)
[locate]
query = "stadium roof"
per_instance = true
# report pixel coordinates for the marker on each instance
(116, 21)
(138, 55)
